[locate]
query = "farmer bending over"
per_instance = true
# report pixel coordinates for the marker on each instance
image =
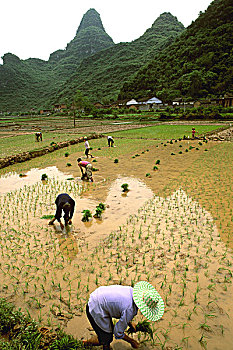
(110, 141)
(84, 164)
(121, 302)
(66, 203)
(38, 136)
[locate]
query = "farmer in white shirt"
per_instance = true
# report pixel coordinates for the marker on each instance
(87, 148)
(110, 141)
(122, 303)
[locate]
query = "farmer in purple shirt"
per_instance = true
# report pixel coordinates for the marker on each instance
(122, 303)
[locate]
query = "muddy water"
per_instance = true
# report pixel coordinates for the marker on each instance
(119, 204)
(14, 181)
(173, 242)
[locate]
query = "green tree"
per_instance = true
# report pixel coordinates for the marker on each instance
(80, 102)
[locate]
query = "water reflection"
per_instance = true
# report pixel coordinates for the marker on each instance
(15, 181)
(118, 208)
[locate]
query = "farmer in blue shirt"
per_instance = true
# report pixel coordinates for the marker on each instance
(122, 303)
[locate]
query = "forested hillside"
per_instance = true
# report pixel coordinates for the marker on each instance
(197, 64)
(102, 75)
(25, 84)
(167, 61)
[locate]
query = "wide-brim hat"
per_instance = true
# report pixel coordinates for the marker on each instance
(148, 300)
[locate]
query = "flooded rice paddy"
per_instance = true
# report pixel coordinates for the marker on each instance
(171, 241)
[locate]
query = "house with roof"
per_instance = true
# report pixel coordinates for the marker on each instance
(59, 107)
(144, 104)
(133, 104)
(152, 103)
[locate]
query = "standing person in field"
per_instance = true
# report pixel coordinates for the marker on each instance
(122, 303)
(87, 166)
(193, 133)
(87, 148)
(66, 204)
(110, 141)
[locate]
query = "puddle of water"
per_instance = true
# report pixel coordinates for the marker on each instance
(13, 181)
(119, 206)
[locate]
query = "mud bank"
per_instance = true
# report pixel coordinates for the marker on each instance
(23, 157)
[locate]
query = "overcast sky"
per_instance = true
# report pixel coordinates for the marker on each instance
(36, 28)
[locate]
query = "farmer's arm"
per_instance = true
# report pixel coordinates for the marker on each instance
(57, 217)
(58, 213)
(132, 341)
(121, 326)
(72, 203)
(132, 326)
(80, 166)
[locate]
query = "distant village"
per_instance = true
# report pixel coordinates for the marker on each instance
(152, 104)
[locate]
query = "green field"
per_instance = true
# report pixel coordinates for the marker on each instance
(23, 143)
(164, 132)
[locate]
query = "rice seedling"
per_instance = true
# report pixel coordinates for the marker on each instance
(125, 187)
(86, 215)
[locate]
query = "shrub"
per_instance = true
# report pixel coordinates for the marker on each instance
(116, 160)
(66, 154)
(157, 162)
(9, 317)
